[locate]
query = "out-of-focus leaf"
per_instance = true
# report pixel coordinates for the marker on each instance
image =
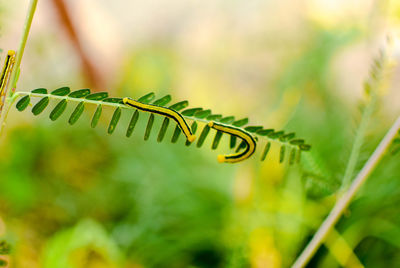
(89, 238)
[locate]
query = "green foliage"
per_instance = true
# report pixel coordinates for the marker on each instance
(87, 242)
(5, 248)
(199, 117)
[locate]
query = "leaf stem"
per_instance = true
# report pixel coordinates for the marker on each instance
(345, 200)
(20, 51)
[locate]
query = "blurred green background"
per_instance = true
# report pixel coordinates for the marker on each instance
(78, 197)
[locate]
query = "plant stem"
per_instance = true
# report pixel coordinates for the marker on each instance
(20, 51)
(345, 200)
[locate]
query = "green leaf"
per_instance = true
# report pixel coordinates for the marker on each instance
(194, 129)
(2, 263)
(114, 120)
(176, 134)
(39, 91)
(23, 103)
(287, 137)
(216, 140)
(296, 141)
(58, 110)
(298, 158)
(241, 122)
(149, 127)
(282, 153)
(275, 135)
(305, 147)
(179, 105)
(203, 136)
(97, 96)
(163, 101)
(191, 111)
(113, 100)
(202, 114)
(265, 132)
(96, 116)
(227, 120)
(132, 123)
(62, 91)
(163, 129)
(292, 156)
(214, 117)
(147, 98)
(232, 142)
(40, 106)
(242, 145)
(76, 113)
(266, 150)
(79, 93)
(253, 129)
(237, 123)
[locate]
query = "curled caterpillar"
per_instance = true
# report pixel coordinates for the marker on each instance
(234, 131)
(167, 112)
(8, 65)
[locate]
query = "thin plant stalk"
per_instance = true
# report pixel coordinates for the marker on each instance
(345, 200)
(21, 49)
(20, 52)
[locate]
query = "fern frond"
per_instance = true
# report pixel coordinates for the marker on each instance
(200, 118)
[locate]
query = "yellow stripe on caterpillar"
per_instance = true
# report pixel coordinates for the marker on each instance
(5, 74)
(238, 132)
(167, 112)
